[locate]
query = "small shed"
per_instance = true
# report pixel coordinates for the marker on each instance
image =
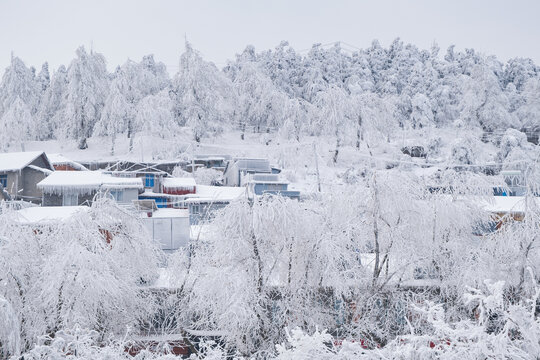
(169, 227)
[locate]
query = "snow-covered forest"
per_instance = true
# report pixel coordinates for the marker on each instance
(326, 90)
(390, 254)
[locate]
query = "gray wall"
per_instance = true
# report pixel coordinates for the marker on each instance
(170, 233)
(232, 176)
(130, 195)
(205, 211)
(26, 180)
(57, 200)
(30, 178)
(13, 182)
(40, 161)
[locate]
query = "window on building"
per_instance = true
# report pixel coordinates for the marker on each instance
(70, 200)
(3, 180)
(149, 180)
(117, 195)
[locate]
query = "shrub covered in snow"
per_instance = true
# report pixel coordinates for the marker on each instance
(207, 176)
(465, 151)
(511, 139)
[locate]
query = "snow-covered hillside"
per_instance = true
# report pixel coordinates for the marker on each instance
(328, 91)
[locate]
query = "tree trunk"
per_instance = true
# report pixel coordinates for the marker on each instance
(82, 139)
(83, 144)
(113, 138)
(336, 152)
(375, 215)
(359, 132)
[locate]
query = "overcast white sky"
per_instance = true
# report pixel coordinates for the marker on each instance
(39, 31)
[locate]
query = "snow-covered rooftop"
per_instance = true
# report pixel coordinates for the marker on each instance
(49, 214)
(207, 193)
(86, 181)
(254, 165)
(151, 194)
(266, 179)
(43, 170)
(17, 160)
(509, 204)
(211, 157)
(179, 183)
(59, 159)
(170, 213)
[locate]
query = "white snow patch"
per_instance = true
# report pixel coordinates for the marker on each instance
(49, 214)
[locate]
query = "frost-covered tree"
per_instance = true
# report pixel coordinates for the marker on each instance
(19, 82)
(132, 82)
(203, 95)
(52, 105)
(44, 78)
(529, 112)
(372, 117)
(421, 114)
(333, 104)
(207, 176)
(299, 118)
(16, 125)
(9, 330)
(518, 71)
(86, 92)
(92, 278)
(279, 265)
(117, 115)
(283, 66)
(155, 115)
(260, 104)
(483, 101)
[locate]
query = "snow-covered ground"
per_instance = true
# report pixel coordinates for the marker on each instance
(298, 160)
